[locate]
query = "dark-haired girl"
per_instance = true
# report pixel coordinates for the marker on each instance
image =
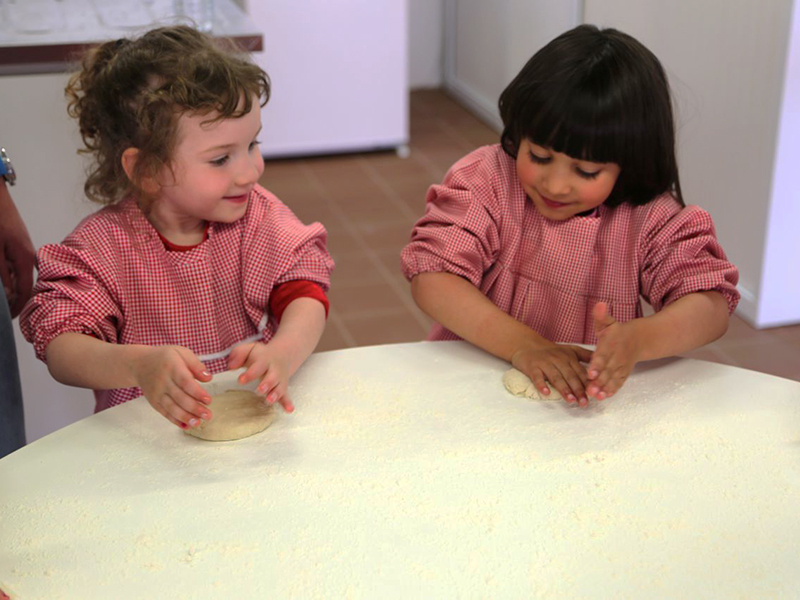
(550, 238)
(192, 267)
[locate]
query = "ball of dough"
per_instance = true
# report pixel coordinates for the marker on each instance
(237, 414)
(519, 384)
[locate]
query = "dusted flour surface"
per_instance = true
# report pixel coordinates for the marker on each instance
(237, 415)
(520, 384)
(407, 471)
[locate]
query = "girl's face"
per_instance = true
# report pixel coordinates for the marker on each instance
(561, 186)
(214, 168)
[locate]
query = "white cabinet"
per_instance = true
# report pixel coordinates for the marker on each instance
(339, 75)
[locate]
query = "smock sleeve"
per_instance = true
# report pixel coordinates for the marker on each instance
(680, 255)
(299, 251)
(70, 296)
(459, 232)
(279, 248)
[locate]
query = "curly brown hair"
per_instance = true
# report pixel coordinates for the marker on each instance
(132, 92)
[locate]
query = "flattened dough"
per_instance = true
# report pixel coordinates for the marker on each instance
(237, 414)
(519, 384)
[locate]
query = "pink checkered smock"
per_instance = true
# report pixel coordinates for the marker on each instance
(112, 278)
(480, 225)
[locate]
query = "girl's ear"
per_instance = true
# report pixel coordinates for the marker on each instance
(129, 158)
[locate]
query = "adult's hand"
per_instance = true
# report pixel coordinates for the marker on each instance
(17, 254)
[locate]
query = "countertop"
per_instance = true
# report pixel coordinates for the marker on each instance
(46, 36)
(408, 471)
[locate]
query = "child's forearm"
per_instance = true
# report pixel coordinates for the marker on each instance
(463, 309)
(688, 323)
(84, 361)
(300, 330)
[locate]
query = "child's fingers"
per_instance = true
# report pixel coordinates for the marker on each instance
(275, 391)
(576, 392)
(286, 402)
(271, 387)
(188, 386)
(616, 381)
(602, 318)
(598, 387)
(195, 365)
(597, 364)
(238, 356)
(257, 366)
(191, 406)
(537, 377)
(163, 412)
(253, 372)
(179, 414)
(584, 355)
(269, 382)
(557, 380)
(580, 372)
(577, 384)
(584, 375)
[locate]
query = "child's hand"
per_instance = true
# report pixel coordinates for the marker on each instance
(168, 378)
(560, 365)
(616, 355)
(270, 367)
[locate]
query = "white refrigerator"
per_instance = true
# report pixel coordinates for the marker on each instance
(339, 72)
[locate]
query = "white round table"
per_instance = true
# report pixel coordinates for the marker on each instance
(408, 471)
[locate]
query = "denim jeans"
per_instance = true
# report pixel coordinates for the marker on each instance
(12, 419)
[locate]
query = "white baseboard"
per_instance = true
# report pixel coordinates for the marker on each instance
(748, 310)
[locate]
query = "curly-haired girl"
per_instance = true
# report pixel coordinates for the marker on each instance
(192, 267)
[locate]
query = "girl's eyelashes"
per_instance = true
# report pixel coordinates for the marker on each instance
(587, 174)
(543, 160)
(222, 160)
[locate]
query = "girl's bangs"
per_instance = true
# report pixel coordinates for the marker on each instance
(577, 124)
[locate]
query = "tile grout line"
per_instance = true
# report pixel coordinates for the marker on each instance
(378, 180)
(419, 156)
(453, 134)
(731, 360)
(374, 258)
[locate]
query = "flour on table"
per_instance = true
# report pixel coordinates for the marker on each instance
(519, 384)
(237, 414)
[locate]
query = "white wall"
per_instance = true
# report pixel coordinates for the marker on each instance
(487, 43)
(779, 295)
(41, 140)
(425, 43)
(726, 62)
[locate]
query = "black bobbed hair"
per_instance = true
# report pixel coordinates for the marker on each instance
(598, 95)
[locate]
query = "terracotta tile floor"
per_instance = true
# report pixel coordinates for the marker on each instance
(368, 202)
